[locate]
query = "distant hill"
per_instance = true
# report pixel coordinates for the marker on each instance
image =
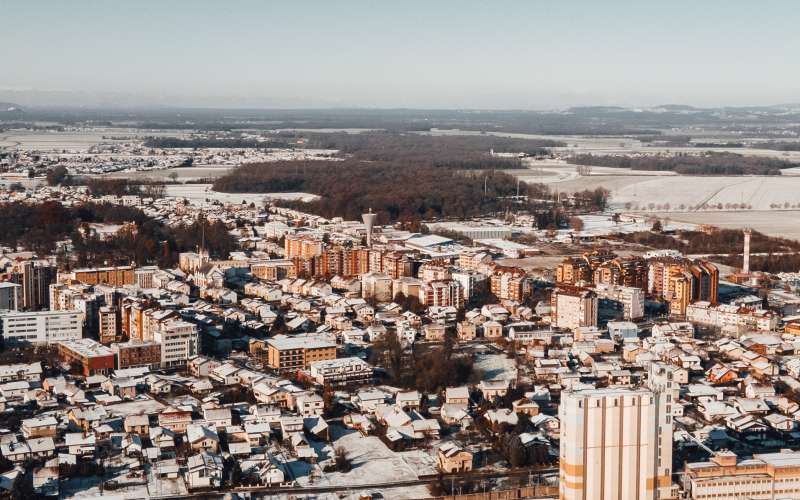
(9, 110)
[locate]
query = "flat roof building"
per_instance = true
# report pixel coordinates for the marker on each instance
(92, 356)
(41, 327)
(297, 353)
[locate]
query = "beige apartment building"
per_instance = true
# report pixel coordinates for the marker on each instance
(616, 443)
(573, 307)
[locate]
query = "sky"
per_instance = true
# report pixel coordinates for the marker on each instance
(530, 54)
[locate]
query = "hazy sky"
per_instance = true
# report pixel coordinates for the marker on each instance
(434, 53)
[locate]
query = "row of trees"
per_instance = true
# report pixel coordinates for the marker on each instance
(666, 207)
(720, 241)
(709, 163)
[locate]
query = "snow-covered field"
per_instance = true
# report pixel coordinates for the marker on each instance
(199, 193)
(771, 202)
(496, 366)
(372, 462)
(601, 225)
(779, 223)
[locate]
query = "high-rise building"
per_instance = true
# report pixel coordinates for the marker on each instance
(510, 283)
(616, 443)
(572, 271)
(10, 297)
(631, 272)
(303, 245)
(376, 286)
(442, 293)
(35, 276)
(682, 282)
(626, 299)
(179, 342)
(109, 326)
(573, 307)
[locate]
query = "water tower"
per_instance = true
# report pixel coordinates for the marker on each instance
(369, 222)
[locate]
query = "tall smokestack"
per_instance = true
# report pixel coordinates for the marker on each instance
(369, 221)
(746, 260)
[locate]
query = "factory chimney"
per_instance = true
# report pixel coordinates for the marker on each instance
(746, 260)
(369, 221)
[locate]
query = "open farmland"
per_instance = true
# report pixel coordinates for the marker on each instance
(198, 193)
(77, 140)
(779, 223)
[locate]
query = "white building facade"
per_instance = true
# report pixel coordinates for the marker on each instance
(41, 327)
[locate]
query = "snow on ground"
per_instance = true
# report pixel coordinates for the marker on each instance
(119, 469)
(401, 493)
(601, 225)
(422, 461)
(779, 223)
(496, 366)
(197, 194)
(372, 463)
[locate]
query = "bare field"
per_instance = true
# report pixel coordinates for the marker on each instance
(183, 173)
(75, 140)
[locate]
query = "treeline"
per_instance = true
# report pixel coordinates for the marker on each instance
(719, 241)
(431, 149)
(106, 186)
(706, 164)
(765, 263)
(779, 146)
(39, 228)
(396, 190)
(213, 142)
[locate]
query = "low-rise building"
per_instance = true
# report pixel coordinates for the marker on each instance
(342, 371)
(93, 357)
(297, 353)
(763, 477)
(137, 354)
(451, 459)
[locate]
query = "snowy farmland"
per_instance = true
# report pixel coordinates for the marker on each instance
(769, 204)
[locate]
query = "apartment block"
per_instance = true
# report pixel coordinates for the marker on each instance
(573, 307)
(615, 443)
(297, 353)
(41, 327)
